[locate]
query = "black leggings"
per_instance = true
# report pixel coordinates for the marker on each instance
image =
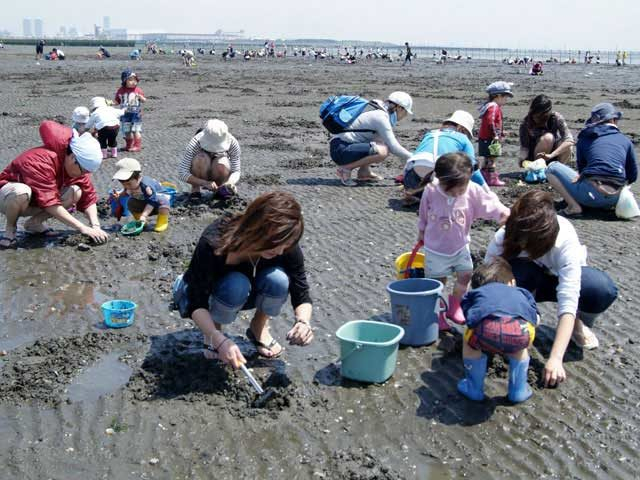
(108, 136)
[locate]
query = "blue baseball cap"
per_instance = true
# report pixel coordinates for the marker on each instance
(603, 112)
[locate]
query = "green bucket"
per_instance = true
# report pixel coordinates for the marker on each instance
(368, 350)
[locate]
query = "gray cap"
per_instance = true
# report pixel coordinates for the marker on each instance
(500, 88)
(603, 112)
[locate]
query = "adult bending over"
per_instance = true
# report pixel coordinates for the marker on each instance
(544, 133)
(251, 260)
(453, 136)
(48, 181)
(370, 139)
(606, 163)
(548, 260)
(211, 161)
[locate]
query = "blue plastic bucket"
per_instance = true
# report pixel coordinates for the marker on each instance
(118, 313)
(368, 350)
(172, 194)
(415, 304)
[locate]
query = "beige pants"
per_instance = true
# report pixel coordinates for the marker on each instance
(11, 190)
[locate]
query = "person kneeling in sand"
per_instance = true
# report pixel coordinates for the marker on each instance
(453, 136)
(211, 161)
(48, 181)
(142, 194)
(500, 318)
(370, 139)
(251, 260)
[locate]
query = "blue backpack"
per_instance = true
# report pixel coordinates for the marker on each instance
(338, 112)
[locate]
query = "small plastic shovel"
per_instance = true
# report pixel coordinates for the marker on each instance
(263, 396)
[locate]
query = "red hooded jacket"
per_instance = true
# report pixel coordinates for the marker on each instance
(42, 169)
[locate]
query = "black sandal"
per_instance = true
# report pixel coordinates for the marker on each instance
(13, 243)
(256, 343)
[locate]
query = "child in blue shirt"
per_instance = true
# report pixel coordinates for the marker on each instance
(500, 318)
(142, 195)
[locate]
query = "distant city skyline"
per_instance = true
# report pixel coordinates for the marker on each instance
(590, 24)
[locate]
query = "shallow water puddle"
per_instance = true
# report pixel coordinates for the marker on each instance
(104, 377)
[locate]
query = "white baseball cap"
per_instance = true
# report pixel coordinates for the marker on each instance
(127, 166)
(403, 99)
(215, 137)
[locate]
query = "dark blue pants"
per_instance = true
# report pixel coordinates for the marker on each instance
(597, 290)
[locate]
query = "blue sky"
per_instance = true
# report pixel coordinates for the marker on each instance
(587, 24)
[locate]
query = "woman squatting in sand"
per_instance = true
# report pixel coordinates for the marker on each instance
(251, 260)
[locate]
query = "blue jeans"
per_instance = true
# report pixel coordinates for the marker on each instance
(583, 190)
(597, 290)
(235, 291)
(344, 153)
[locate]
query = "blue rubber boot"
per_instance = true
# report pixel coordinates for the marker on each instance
(519, 389)
(472, 385)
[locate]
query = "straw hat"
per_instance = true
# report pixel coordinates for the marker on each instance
(215, 136)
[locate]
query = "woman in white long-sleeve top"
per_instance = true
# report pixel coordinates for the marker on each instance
(548, 260)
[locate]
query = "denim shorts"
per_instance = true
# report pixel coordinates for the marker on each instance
(441, 266)
(344, 153)
(583, 190)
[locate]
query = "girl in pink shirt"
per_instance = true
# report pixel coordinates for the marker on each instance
(449, 206)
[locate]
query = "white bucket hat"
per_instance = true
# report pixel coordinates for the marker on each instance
(464, 119)
(126, 168)
(97, 102)
(215, 136)
(403, 99)
(80, 115)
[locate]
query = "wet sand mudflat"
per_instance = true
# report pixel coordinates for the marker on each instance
(179, 416)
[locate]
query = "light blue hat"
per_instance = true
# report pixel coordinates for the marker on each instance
(87, 151)
(603, 112)
(500, 88)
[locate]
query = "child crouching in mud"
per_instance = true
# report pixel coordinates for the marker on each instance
(449, 205)
(141, 194)
(501, 318)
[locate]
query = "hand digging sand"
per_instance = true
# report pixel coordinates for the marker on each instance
(263, 396)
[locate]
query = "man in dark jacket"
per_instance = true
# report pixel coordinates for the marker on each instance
(606, 163)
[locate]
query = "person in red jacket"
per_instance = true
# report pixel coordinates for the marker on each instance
(491, 134)
(46, 181)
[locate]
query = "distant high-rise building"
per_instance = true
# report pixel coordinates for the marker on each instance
(73, 32)
(63, 31)
(26, 27)
(106, 23)
(38, 27)
(97, 31)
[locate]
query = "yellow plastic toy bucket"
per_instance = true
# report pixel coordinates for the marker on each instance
(408, 263)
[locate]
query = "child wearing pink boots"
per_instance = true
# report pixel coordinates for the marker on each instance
(130, 97)
(449, 205)
(105, 120)
(490, 134)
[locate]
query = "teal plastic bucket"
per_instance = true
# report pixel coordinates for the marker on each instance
(368, 350)
(415, 304)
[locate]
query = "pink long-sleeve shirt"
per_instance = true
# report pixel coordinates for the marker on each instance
(446, 220)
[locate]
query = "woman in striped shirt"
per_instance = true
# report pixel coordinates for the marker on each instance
(211, 161)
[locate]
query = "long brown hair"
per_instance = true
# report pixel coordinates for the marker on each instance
(532, 226)
(270, 221)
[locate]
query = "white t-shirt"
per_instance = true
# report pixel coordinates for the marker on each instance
(565, 260)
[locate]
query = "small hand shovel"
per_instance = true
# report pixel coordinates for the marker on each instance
(263, 395)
